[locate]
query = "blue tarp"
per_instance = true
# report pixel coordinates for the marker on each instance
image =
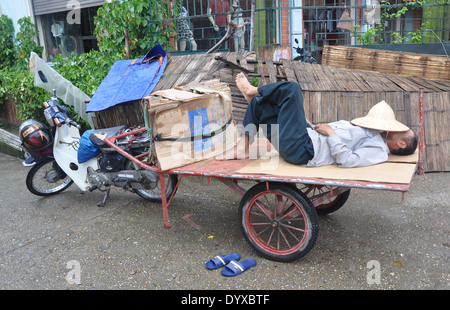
(129, 80)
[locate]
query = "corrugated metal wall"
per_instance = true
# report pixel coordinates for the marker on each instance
(52, 6)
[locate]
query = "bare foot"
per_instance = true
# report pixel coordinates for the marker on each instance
(248, 90)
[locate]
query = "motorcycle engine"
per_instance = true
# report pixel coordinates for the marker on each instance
(111, 162)
(97, 180)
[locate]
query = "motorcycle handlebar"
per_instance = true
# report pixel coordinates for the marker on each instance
(72, 123)
(58, 114)
(58, 121)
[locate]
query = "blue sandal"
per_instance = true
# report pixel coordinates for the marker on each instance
(221, 260)
(234, 268)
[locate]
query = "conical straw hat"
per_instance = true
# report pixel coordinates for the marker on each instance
(380, 117)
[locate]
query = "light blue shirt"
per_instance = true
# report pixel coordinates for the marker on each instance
(351, 146)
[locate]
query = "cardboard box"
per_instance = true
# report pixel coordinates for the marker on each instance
(191, 122)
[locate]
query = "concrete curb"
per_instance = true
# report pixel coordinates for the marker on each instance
(10, 144)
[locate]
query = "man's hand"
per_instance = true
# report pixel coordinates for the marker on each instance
(325, 129)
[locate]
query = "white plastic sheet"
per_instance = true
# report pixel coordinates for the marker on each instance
(65, 90)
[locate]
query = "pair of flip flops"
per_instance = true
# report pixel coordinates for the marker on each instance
(232, 265)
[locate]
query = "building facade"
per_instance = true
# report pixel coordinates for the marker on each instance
(293, 29)
(64, 26)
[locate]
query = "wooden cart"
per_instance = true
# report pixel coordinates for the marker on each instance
(279, 214)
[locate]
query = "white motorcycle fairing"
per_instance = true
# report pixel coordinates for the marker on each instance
(65, 152)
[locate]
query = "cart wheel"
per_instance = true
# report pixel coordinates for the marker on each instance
(329, 206)
(279, 222)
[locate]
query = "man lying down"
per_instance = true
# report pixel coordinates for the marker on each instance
(362, 142)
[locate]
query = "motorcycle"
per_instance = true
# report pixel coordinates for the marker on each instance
(62, 157)
(303, 55)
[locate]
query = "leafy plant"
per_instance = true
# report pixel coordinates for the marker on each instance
(142, 21)
(18, 84)
(7, 51)
(15, 79)
(25, 40)
(85, 71)
(371, 36)
(390, 12)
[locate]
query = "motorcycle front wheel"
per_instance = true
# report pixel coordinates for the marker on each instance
(46, 178)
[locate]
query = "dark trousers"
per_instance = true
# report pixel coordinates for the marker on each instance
(281, 104)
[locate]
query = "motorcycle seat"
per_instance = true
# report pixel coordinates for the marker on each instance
(97, 135)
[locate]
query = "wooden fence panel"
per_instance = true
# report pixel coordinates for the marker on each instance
(432, 67)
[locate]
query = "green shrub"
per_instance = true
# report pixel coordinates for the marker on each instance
(85, 71)
(7, 51)
(15, 77)
(141, 19)
(29, 99)
(25, 40)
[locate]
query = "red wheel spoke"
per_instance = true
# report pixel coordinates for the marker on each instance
(264, 230)
(277, 203)
(264, 209)
(291, 212)
(293, 235)
(258, 213)
(292, 227)
(284, 238)
(260, 224)
(280, 208)
(270, 237)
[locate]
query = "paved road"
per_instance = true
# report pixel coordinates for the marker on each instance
(44, 242)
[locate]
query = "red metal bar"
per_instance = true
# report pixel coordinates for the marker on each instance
(175, 189)
(233, 185)
(142, 155)
(125, 134)
(164, 200)
(111, 142)
(317, 201)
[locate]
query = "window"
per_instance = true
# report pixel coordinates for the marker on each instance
(60, 37)
(201, 24)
